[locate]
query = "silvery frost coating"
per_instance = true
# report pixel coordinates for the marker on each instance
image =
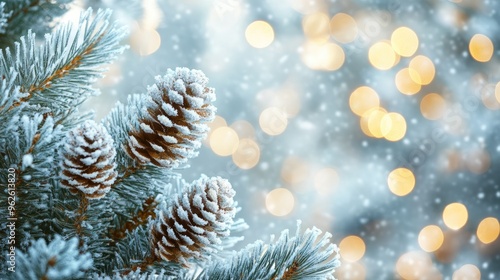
(88, 165)
(195, 222)
(58, 260)
(172, 119)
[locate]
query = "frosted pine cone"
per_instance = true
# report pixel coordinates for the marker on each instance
(196, 221)
(172, 121)
(88, 164)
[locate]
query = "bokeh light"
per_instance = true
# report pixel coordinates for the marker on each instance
(316, 27)
(393, 126)
(405, 81)
(433, 106)
(423, 70)
(145, 41)
(488, 230)
(372, 119)
(273, 121)
(382, 56)
(259, 34)
(363, 99)
(343, 28)
(247, 154)
(481, 48)
(294, 170)
(224, 141)
(325, 180)
(280, 202)
(243, 128)
(351, 271)
(430, 238)
(404, 41)
(327, 56)
(467, 272)
(416, 265)
(353, 248)
(401, 181)
(455, 215)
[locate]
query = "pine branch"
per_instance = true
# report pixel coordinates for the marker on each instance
(303, 256)
(137, 219)
(58, 74)
(22, 15)
(4, 17)
(57, 260)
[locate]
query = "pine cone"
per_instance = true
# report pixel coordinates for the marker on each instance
(196, 221)
(172, 121)
(88, 165)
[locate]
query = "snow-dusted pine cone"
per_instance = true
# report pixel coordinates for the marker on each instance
(172, 121)
(88, 160)
(195, 222)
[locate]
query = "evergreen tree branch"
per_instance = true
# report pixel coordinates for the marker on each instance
(137, 219)
(303, 256)
(4, 17)
(58, 74)
(36, 15)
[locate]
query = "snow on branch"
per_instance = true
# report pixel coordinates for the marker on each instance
(303, 256)
(58, 73)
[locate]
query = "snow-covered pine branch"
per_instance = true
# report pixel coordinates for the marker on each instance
(36, 15)
(58, 74)
(306, 255)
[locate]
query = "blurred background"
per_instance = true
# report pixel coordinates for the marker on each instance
(377, 121)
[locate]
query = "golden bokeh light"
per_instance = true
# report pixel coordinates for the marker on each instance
(280, 202)
(145, 41)
(393, 126)
(415, 266)
(273, 121)
(481, 48)
(325, 180)
(467, 272)
(430, 238)
(247, 154)
(455, 215)
(423, 70)
(343, 28)
(433, 106)
(224, 141)
(328, 56)
(353, 248)
(372, 122)
(259, 34)
(489, 96)
(497, 92)
(479, 161)
(294, 170)
(243, 128)
(404, 41)
(401, 181)
(382, 56)
(363, 99)
(405, 82)
(217, 122)
(488, 230)
(351, 271)
(316, 27)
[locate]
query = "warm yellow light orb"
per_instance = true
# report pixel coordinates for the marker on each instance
(433, 106)
(259, 34)
(424, 70)
(488, 230)
(363, 99)
(404, 41)
(352, 248)
(405, 81)
(316, 27)
(247, 154)
(273, 121)
(382, 56)
(325, 180)
(401, 181)
(467, 272)
(343, 28)
(224, 141)
(430, 238)
(455, 215)
(393, 126)
(481, 48)
(280, 202)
